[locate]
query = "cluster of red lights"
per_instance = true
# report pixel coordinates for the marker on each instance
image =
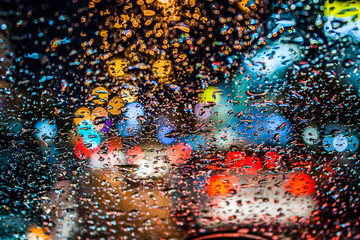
(298, 184)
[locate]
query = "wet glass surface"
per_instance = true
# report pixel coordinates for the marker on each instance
(179, 119)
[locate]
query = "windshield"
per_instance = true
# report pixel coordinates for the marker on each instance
(179, 119)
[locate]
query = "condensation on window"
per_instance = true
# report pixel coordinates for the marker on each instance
(179, 119)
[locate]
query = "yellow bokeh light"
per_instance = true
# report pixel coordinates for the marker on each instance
(100, 95)
(342, 9)
(129, 94)
(117, 67)
(211, 94)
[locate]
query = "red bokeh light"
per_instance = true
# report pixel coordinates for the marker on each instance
(179, 153)
(234, 159)
(135, 155)
(272, 159)
(83, 152)
(247, 164)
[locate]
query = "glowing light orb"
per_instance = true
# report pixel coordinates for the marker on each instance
(100, 95)
(135, 155)
(340, 143)
(38, 233)
(328, 144)
(108, 160)
(100, 119)
(81, 151)
(92, 141)
(202, 111)
(114, 144)
(342, 19)
(179, 153)
(133, 111)
(117, 67)
(162, 68)
(300, 184)
(165, 134)
(165, 3)
(233, 159)
(353, 143)
(272, 159)
(247, 164)
(128, 128)
(129, 93)
(220, 185)
(81, 114)
(310, 136)
(210, 95)
(115, 105)
(266, 70)
(151, 160)
(46, 130)
(85, 128)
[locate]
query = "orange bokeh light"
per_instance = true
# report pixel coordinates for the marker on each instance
(220, 185)
(114, 144)
(300, 184)
(38, 233)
